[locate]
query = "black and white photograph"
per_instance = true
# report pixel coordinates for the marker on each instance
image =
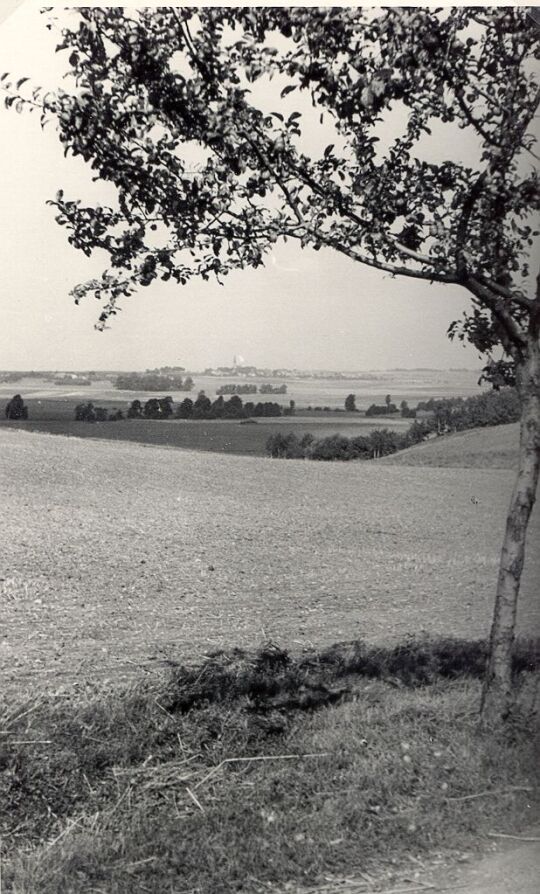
(269, 448)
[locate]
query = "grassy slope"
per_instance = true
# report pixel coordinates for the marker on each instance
(125, 792)
(481, 448)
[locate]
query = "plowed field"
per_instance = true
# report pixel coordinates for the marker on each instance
(116, 555)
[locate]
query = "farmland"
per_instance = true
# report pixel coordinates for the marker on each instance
(52, 409)
(118, 555)
(216, 436)
(409, 385)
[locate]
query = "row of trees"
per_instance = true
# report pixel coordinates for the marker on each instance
(375, 409)
(201, 408)
(236, 389)
(234, 408)
(380, 442)
(153, 382)
(458, 413)
(87, 412)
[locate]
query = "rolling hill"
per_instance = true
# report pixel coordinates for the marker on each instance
(494, 447)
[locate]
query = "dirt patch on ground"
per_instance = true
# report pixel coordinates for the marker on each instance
(116, 555)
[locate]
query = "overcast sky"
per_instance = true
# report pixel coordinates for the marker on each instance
(304, 309)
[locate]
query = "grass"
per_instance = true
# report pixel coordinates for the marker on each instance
(485, 448)
(150, 789)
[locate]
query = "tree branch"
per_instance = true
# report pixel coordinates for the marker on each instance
(474, 121)
(493, 303)
(463, 226)
(393, 269)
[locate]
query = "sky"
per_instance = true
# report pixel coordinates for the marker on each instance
(303, 309)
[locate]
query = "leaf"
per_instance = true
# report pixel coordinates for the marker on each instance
(288, 89)
(294, 116)
(21, 82)
(278, 115)
(328, 150)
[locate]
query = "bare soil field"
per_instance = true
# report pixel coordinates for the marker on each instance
(115, 555)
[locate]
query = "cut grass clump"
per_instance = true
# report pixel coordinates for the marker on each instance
(419, 661)
(273, 678)
(217, 779)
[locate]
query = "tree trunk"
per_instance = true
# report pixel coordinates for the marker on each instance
(497, 696)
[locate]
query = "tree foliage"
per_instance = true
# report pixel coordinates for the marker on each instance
(150, 84)
(16, 408)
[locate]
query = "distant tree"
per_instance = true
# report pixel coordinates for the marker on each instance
(233, 408)
(350, 403)
(86, 412)
(101, 414)
(388, 400)
(218, 407)
(202, 408)
(135, 410)
(152, 409)
(16, 408)
(166, 407)
(291, 409)
(384, 442)
(185, 409)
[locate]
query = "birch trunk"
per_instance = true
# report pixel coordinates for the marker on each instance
(498, 696)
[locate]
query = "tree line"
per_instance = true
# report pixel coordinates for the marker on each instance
(448, 415)
(153, 382)
(265, 388)
(380, 442)
(234, 408)
(201, 408)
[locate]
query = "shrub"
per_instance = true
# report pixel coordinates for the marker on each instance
(135, 410)
(16, 408)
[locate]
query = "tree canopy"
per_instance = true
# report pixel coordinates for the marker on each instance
(149, 85)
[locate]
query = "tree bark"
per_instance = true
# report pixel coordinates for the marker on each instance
(498, 695)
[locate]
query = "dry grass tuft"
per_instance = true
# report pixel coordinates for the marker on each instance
(223, 779)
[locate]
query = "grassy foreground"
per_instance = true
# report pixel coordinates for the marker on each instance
(254, 772)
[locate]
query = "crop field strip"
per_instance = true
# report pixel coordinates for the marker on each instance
(216, 436)
(116, 555)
